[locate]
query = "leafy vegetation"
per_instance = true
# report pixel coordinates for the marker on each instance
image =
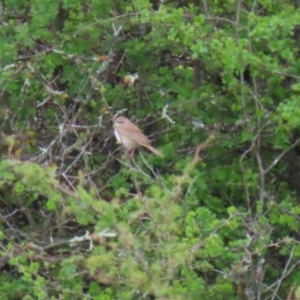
(215, 85)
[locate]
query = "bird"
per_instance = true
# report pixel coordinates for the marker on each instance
(130, 136)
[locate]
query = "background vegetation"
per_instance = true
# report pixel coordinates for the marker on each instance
(217, 91)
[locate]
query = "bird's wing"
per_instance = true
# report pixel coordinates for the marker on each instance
(134, 133)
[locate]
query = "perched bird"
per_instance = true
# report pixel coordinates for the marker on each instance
(130, 136)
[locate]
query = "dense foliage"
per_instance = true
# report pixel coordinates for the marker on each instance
(215, 85)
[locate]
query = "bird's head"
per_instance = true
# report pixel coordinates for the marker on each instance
(119, 121)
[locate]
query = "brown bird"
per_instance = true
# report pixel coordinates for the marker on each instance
(130, 136)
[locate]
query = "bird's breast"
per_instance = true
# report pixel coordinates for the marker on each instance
(116, 132)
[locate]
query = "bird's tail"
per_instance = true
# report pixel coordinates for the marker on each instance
(155, 151)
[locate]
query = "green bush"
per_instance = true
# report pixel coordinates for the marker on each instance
(214, 85)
